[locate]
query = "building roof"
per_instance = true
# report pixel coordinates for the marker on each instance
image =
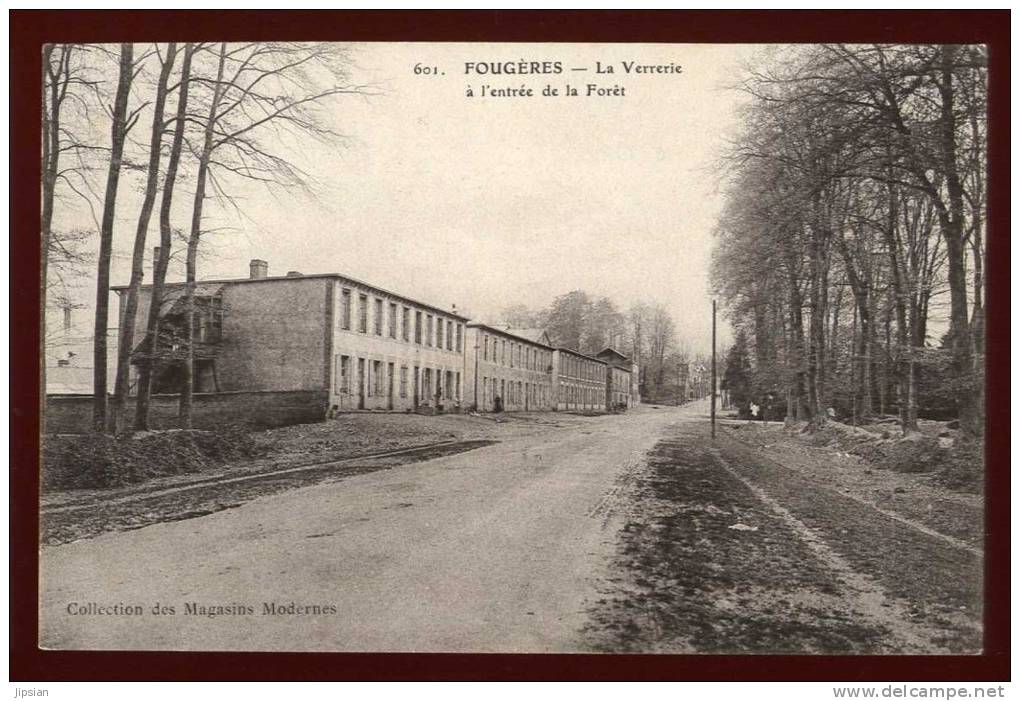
(514, 333)
(610, 351)
(579, 354)
(313, 276)
(535, 335)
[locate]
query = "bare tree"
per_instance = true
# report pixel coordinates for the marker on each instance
(204, 159)
(69, 88)
(854, 162)
(262, 94)
(151, 351)
(122, 122)
(127, 326)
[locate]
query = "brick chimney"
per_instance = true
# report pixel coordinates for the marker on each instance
(155, 260)
(259, 269)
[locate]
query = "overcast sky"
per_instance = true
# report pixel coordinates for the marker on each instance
(487, 202)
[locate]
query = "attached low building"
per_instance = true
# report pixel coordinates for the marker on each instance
(579, 381)
(618, 379)
(511, 368)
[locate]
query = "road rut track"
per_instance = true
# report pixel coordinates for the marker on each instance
(77, 520)
(688, 582)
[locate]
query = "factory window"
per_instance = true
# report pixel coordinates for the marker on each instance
(417, 327)
(345, 309)
(439, 332)
(393, 320)
(485, 347)
(460, 338)
(343, 374)
(428, 330)
(403, 381)
(378, 321)
(511, 354)
(363, 313)
(405, 323)
(449, 335)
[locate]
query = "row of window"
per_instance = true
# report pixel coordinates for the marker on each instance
(513, 395)
(375, 378)
(427, 329)
(583, 368)
(511, 354)
(577, 395)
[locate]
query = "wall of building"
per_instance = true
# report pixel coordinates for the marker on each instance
(367, 349)
(274, 335)
(73, 413)
(618, 388)
(579, 381)
(515, 369)
(389, 353)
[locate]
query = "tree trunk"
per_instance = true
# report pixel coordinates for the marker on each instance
(150, 364)
(118, 135)
(977, 318)
(50, 164)
(51, 151)
(904, 334)
(816, 330)
(970, 392)
(127, 327)
(796, 360)
(187, 386)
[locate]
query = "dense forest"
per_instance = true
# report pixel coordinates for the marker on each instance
(849, 255)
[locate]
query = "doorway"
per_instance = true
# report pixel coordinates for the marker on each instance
(361, 383)
(389, 393)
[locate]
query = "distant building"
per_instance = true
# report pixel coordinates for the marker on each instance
(68, 351)
(513, 365)
(619, 379)
(579, 381)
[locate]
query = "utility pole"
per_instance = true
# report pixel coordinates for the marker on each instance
(677, 396)
(713, 370)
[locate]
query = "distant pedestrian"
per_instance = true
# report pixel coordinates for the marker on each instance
(754, 410)
(497, 404)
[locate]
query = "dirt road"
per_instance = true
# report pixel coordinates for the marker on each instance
(498, 549)
(630, 533)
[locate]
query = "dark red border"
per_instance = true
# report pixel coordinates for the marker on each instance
(28, 29)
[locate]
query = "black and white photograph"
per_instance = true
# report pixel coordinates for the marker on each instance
(482, 347)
